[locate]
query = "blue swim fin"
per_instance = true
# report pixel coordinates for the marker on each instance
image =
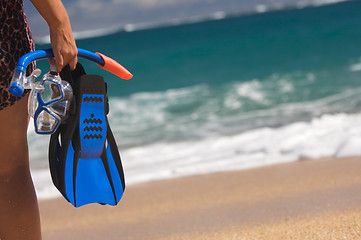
(83, 156)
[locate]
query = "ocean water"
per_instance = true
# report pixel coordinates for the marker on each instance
(229, 92)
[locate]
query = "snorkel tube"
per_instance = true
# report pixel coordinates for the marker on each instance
(20, 82)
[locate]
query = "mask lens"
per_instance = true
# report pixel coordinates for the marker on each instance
(33, 103)
(52, 92)
(46, 122)
(60, 107)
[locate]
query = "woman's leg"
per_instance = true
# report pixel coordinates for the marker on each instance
(19, 213)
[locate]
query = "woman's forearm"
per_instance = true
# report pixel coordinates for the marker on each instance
(61, 35)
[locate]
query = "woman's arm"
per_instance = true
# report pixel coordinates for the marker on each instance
(61, 35)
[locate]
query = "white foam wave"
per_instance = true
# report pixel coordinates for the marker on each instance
(176, 21)
(336, 135)
(131, 27)
(326, 2)
(355, 67)
(261, 8)
(202, 111)
(38, 145)
(329, 135)
(43, 184)
(251, 90)
(316, 3)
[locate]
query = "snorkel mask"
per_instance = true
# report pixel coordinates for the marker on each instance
(50, 99)
(49, 102)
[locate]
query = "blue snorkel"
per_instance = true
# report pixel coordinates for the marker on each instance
(20, 82)
(50, 98)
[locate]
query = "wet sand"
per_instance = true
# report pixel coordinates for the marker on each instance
(309, 199)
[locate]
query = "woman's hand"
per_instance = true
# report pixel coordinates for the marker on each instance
(64, 47)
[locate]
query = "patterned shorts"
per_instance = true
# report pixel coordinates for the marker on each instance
(15, 41)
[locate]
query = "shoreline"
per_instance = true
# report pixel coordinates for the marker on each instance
(278, 198)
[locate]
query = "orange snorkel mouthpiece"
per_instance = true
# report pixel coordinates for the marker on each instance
(114, 67)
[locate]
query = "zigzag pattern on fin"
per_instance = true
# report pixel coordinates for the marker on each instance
(93, 99)
(87, 120)
(93, 129)
(92, 136)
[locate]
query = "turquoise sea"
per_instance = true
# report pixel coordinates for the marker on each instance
(230, 92)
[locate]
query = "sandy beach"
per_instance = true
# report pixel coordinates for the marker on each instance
(309, 199)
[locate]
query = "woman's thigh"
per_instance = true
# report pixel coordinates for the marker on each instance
(13, 136)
